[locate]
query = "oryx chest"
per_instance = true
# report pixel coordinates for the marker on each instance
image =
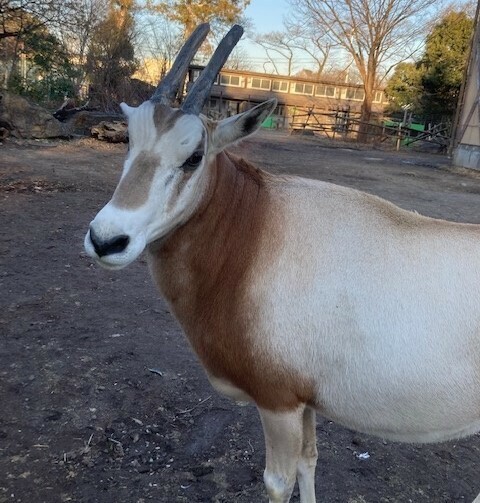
(206, 270)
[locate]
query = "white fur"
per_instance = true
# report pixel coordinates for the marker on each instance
(385, 318)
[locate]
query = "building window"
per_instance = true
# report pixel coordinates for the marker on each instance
(280, 86)
(355, 94)
(322, 90)
(258, 83)
(195, 74)
(378, 97)
(301, 88)
(230, 80)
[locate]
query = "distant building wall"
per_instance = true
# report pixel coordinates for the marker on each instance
(234, 90)
(466, 152)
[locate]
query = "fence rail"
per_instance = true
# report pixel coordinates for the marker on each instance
(345, 124)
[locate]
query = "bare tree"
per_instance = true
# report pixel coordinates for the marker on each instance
(78, 29)
(238, 60)
(277, 44)
(157, 40)
(297, 38)
(76, 32)
(374, 33)
(312, 41)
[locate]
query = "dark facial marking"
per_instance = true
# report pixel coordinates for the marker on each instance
(133, 189)
(165, 117)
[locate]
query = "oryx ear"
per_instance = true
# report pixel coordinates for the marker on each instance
(239, 126)
(127, 110)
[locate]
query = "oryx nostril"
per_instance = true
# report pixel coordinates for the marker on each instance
(107, 247)
(118, 244)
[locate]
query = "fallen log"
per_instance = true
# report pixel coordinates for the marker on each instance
(113, 132)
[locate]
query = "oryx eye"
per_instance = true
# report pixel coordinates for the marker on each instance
(193, 161)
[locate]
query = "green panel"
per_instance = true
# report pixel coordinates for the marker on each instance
(268, 123)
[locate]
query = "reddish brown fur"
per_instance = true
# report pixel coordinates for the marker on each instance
(203, 270)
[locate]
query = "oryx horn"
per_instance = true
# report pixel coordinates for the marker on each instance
(169, 86)
(200, 90)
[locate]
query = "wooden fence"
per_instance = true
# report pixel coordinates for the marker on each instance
(343, 124)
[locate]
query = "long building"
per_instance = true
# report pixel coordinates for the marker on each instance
(235, 88)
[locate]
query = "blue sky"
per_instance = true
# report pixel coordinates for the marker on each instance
(267, 15)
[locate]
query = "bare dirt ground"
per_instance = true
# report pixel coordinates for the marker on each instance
(102, 399)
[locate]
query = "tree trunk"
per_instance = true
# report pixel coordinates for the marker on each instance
(365, 119)
(367, 105)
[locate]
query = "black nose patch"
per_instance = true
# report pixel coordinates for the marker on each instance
(108, 247)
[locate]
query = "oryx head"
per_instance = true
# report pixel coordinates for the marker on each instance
(165, 174)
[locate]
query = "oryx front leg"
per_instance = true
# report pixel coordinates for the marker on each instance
(308, 459)
(283, 441)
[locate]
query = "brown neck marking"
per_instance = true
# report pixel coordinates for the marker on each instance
(204, 269)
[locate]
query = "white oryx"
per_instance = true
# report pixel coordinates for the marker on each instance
(296, 294)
